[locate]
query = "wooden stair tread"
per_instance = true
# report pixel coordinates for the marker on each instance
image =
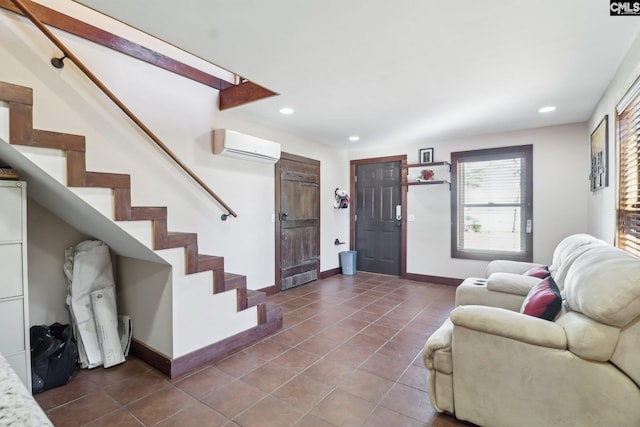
(57, 140)
(210, 262)
(177, 239)
(106, 180)
(255, 297)
(234, 281)
(148, 213)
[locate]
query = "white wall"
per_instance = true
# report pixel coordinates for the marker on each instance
(47, 238)
(182, 114)
(561, 168)
(602, 203)
(334, 173)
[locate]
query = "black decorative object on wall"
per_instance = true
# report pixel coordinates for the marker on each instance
(599, 176)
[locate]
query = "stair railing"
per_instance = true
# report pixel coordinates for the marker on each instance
(68, 54)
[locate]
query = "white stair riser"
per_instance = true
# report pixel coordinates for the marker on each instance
(101, 199)
(141, 230)
(52, 161)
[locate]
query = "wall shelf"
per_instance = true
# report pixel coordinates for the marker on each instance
(430, 182)
(423, 165)
(407, 183)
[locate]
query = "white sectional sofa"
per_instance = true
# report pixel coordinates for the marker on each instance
(494, 366)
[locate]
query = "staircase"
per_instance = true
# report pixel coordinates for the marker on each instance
(156, 237)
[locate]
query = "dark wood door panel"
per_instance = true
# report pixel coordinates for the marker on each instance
(299, 245)
(298, 228)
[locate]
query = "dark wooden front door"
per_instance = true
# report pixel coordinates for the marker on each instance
(379, 217)
(298, 221)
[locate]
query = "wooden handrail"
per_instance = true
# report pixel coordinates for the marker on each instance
(119, 103)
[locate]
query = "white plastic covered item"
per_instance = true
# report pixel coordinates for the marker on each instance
(88, 270)
(103, 304)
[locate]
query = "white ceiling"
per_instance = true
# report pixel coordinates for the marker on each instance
(404, 71)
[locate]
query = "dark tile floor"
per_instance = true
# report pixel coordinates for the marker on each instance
(348, 355)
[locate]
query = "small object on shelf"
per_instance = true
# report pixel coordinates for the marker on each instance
(426, 175)
(8, 173)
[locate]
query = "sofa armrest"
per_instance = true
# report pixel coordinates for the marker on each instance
(439, 340)
(506, 266)
(511, 283)
(509, 324)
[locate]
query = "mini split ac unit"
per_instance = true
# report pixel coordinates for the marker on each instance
(235, 144)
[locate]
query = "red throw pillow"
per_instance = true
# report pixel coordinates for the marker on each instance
(543, 300)
(540, 272)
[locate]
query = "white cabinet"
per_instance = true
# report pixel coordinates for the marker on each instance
(14, 302)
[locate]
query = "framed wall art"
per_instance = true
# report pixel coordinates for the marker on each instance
(426, 155)
(599, 175)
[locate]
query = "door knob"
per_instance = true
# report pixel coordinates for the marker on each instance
(283, 216)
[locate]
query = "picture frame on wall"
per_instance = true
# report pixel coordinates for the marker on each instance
(426, 155)
(599, 175)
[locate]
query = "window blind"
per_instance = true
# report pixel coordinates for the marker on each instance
(628, 229)
(492, 203)
(495, 182)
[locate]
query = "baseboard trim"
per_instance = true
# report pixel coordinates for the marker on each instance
(151, 356)
(328, 273)
(175, 367)
(449, 281)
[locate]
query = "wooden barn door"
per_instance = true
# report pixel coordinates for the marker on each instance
(297, 221)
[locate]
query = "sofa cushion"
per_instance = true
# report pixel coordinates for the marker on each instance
(604, 284)
(506, 266)
(510, 283)
(569, 244)
(540, 272)
(543, 301)
(567, 251)
(587, 338)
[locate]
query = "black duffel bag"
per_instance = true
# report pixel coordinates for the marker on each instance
(54, 356)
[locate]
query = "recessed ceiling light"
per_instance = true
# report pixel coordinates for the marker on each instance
(286, 111)
(548, 109)
(354, 138)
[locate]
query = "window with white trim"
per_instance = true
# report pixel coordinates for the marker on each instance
(492, 204)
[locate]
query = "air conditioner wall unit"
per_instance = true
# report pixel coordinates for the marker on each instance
(236, 144)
